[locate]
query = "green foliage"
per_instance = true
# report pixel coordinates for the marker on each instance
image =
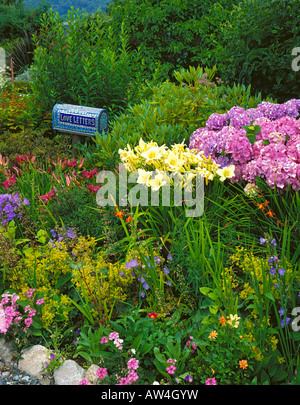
(89, 66)
(73, 206)
(62, 6)
(172, 112)
(173, 32)
(15, 17)
(17, 110)
(250, 42)
(255, 46)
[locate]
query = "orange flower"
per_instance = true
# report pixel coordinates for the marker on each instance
(270, 213)
(243, 364)
(129, 219)
(119, 214)
(213, 334)
(261, 206)
(222, 320)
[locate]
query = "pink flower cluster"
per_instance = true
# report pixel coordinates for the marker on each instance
(191, 344)
(10, 314)
(275, 153)
(172, 368)
(211, 381)
(132, 376)
(116, 339)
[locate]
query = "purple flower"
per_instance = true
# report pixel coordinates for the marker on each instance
(273, 242)
(275, 153)
(132, 264)
(281, 311)
(188, 378)
(272, 271)
(281, 271)
(262, 241)
(285, 322)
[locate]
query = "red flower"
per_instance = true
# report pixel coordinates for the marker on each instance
(152, 315)
(47, 197)
(91, 174)
(93, 188)
(9, 182)
(73, 163)
(129, 219)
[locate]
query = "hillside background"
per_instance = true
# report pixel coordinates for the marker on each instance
(62, 6)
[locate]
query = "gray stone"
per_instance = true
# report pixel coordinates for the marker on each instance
(33, 360)
(69, 373)
(6, 352)
(90, 374)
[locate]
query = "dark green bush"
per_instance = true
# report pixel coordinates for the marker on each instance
(250, 41)
(256, 47)
(174, 32)
(88, 65)
(15, 18)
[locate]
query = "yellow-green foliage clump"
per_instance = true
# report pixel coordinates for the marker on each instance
(56, 268)
(255, 273)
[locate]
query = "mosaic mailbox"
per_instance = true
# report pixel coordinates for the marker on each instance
(79, 120)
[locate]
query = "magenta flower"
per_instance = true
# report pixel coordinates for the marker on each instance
(101, 372)
(211, 381)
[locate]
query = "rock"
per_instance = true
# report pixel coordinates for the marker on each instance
(6, 352)
(33, 360)
(90, 374)
(69, 373)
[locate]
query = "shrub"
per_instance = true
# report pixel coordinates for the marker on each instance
(89, 66)
(257, 44)
(172, 32)
(172, 112)
(14, 17)
(258, 141)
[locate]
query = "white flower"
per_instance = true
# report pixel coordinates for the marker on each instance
(158, 181)
(144, 177)
(226, 172)
(152, 154)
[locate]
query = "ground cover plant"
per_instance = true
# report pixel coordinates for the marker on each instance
(149, 293)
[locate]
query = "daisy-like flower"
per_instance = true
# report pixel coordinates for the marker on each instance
(213, 334)
(243, 364)
(233, 320)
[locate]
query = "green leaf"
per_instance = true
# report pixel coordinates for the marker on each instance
(213, 309)
(159, 356)
(280, 375)
(205, 290)
(269, 295)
